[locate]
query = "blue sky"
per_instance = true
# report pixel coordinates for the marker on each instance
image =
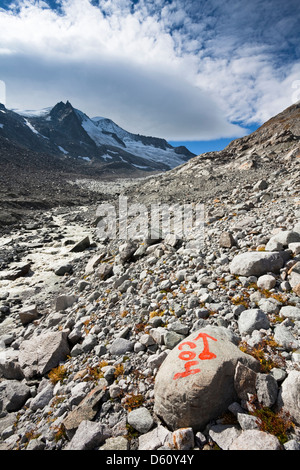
(195, 72)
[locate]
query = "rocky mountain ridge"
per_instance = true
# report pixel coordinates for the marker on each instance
(274, 147)
(69, 134)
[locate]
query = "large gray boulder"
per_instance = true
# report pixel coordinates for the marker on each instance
(9, 365)
(288, 398)
(14, 394)
(256, 263)
(42, 353)
(282, 238)
(195, 383)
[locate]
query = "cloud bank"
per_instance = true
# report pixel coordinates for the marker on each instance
(182, 70)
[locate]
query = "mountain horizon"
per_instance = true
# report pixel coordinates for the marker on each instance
(63, 130)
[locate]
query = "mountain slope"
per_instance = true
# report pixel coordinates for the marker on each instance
(273, 148)
(70, 133)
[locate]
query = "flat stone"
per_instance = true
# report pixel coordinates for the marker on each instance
(224, 435)
(19, 270)
(42, 353)
(93, 263)
(87, 409)
(89, 435)
(254, 439)
(65, 301)
(154, 439)
(115, 443)
(121, 346)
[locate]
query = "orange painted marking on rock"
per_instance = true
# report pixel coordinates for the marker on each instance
(188, 370)
(206, 354)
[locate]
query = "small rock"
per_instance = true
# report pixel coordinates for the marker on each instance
(183, 439)
(63, 269)
(121, 346)
(140, 419)
(42, 398)
(104, 271)
(88, 436)
(247, 422)
(227, 240)
(115, 443)
(154, 439)
(65, 301)
(266, 282)
(290, 312)
(28, 314)
(252, 319)
(266, 389)
(171, 338)
(42, 353)
(81, 245)
(14, 394)
(284, 337)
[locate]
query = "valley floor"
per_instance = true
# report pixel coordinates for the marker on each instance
(105, 314)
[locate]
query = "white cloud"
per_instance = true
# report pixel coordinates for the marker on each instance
(179, 70)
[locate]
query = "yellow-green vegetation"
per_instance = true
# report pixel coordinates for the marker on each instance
(133, 401)
(266, 353)
(119, 370)
(278, 424)
(131, 432)
(58, 374)
(32, 434)
(139, 327)
(156, 313)
(242, 299)
(124, 313)
(60, 433)
(95, 373)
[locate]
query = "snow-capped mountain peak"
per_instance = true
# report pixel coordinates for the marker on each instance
(70, 133)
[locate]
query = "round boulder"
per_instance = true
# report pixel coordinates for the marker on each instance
(195, 383)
